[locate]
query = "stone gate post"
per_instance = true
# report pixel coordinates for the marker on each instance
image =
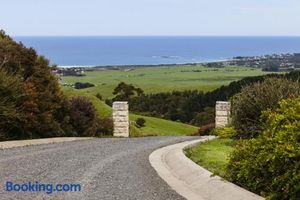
(121, 119)
(222, 113)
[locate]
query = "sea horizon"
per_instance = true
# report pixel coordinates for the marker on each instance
(154, 50)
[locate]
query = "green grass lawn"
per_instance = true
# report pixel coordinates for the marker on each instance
(160, 127)
(154, 126)
(162, 79)
(212, 155)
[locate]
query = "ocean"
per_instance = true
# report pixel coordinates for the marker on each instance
(102, 51)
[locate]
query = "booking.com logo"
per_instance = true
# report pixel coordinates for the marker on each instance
(41, 187)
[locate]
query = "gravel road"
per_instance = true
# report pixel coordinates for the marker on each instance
(107, 168)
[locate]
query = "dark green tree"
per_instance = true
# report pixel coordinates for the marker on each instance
(11, 95)
(43, 99)
(124, 92)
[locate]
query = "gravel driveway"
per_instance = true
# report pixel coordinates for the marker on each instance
(107, 168)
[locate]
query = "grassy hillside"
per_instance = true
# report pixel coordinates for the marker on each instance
(154, 126)
(162, 79)
(102, 109)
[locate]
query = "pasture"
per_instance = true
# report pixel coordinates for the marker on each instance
(162, 79)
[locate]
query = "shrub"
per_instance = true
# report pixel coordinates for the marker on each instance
(206, 129)
(205, 117)
(82, 115)
(109, 102)
(79, 85)
(226, 132)
(84, 120)
(140, 122)
(99, 96)
(101, 127)
(253, 99)
(270, 164)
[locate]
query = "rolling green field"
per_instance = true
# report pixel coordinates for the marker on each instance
(162, 79)
(153, 126)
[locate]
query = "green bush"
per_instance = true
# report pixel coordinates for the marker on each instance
(79, 85)
(101, 127)
(247, 106)
(140, 122)
(82, 116)
(226, 132)
(84, 120)
(270, 164)
(205, 117)
(99, 96)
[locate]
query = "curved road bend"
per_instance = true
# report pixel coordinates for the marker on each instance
(107, 168)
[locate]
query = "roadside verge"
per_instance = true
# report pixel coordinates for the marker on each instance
(22, 143)
(192, 181)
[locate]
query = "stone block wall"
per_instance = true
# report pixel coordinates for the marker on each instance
(121, 119)
(223, 113)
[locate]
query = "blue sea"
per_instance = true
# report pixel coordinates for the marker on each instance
(102, 51)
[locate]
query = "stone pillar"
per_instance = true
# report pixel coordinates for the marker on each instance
(120, 118)
(222, 113)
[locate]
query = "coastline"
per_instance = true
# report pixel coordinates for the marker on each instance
(279, 62)
(144, 65)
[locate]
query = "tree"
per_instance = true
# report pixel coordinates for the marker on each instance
(11, 93)
(124, 92)
(43, 98)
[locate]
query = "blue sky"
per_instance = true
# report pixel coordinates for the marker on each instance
(151, 17)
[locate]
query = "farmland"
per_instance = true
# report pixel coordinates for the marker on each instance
(162, 79)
